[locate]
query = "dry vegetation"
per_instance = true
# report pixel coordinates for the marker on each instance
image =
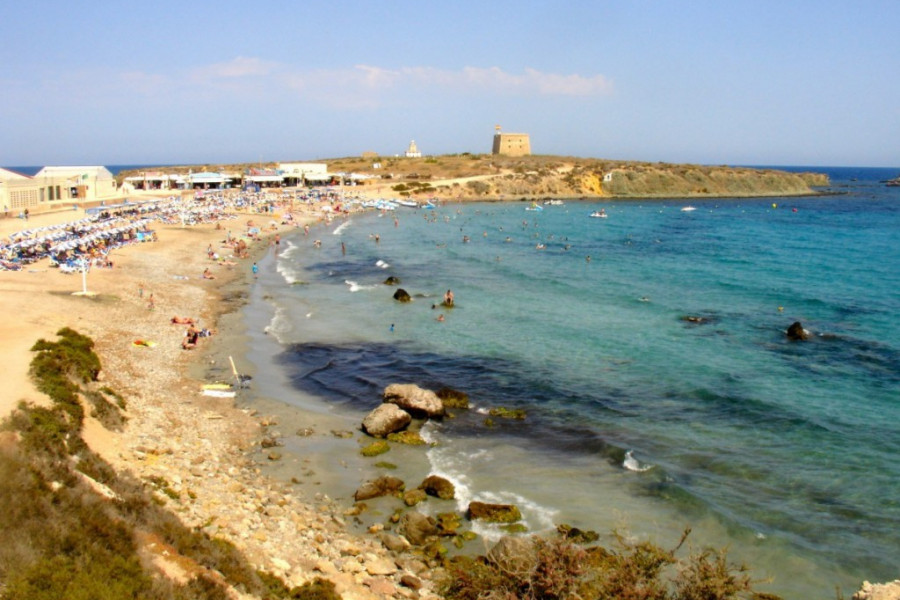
(490, 177)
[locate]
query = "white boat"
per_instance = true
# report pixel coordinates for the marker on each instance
(554, 202)
(688, 209)
(534, 206)
(408, 203)
(599, 214)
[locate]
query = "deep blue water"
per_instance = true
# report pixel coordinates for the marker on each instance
(787, 451)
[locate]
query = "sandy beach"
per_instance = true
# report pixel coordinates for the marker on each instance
(200, 444)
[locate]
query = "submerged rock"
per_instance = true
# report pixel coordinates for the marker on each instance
(392, 281)
(796, 332)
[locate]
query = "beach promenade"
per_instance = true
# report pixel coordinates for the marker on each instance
(199, 444)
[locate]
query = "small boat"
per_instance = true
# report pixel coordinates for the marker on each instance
(687, 209)
(599, 214)
(534, 206)
(554, 202)
(408, 203)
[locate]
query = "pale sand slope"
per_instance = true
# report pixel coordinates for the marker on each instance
(196, 443)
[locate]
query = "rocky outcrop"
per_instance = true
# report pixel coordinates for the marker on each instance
(493, 513)
(386, 419)
(402, 295)
(418, 402)
(392, 280)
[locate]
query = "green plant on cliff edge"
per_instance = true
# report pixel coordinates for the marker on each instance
(64, 540)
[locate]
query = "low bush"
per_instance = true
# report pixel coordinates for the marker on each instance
(558, 569)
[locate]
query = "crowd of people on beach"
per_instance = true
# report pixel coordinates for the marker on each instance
(87, 241)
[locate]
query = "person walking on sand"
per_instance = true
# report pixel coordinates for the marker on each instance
(255, 269)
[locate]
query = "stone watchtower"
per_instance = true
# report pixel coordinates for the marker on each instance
(511, 144)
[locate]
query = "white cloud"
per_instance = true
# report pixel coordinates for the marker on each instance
(238, 67)
(372, 79)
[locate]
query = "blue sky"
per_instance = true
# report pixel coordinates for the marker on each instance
(711, 82)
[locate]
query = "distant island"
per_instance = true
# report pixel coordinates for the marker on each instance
(491, 177)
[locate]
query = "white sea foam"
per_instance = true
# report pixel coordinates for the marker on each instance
(380, 263)
(633, 464)
(289, 251)
(290, 273)
(355, 287)
(340, 228)
(280, 325)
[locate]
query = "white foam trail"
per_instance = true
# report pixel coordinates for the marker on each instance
(633, 464)
(287, 272)
(340, 228)
(289, 251)
(280, 325)
(355, 287)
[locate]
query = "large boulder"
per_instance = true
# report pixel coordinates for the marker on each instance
(418, 402)
(796, 332)
(493, 513)
(383, 486)
(386, 419)
(435, 485)
(417, 528)
(402, 295)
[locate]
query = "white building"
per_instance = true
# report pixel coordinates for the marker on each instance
(54, 186)
(413, 151)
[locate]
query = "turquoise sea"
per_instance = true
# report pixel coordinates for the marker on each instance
(639, 419)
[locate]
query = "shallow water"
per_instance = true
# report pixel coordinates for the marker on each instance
(785, 451)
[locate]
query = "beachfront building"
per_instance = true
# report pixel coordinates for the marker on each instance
(413, 151)
(54, 187)
(154, 180)
(299, 174)
(261, 178)
(208, 180)
(511, 144)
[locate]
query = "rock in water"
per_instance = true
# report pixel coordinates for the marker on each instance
(796, 332)
(386, 419)
(434, 485)
(418, 402)
(402, 295)
(383, 486)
